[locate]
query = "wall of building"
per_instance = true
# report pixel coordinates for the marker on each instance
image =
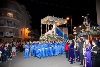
(64, 30)
(14, 18)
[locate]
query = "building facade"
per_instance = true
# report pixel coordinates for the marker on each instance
(98, 11)
(64, 30)
(14, 21)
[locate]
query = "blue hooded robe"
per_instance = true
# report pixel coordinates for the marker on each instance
(26, 53)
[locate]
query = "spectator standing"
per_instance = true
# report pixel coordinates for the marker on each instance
(10, 51)
(4, 54)
(0, 52)
(66, 50)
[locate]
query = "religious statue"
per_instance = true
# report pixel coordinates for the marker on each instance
(86, 23)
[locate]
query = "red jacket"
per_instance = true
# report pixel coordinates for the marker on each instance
(66, 46)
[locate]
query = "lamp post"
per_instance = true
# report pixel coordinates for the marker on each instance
(71, 22)
(41, 29)
(71, 25)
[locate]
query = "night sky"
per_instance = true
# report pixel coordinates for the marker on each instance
(39, 9)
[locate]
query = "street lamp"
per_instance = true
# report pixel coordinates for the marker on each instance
(67, 18)
(83, 16)
(80, 26)
(27, 28)
(74, 27)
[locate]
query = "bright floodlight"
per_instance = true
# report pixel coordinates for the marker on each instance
(83, 16)
(67, 18)
(74, 27)
(80, 26)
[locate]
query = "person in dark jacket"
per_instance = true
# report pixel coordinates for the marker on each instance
(21, 47)
(81, 42)
(94, 53)
(66, 50)
(98, 56)
(71, 52)
(1, 52)
(9, 49)
(4, 54)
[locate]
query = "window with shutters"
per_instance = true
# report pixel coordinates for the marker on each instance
(9, 14)
(1, 22)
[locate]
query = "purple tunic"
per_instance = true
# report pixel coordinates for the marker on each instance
(87, 56)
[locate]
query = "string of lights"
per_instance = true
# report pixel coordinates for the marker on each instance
(41, 2)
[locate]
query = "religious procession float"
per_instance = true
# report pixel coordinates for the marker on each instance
(90, 31)
(55, 33)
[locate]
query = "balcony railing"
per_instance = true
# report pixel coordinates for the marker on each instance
(1, 33)
(10, 34)
(8, 25)
(1, 24)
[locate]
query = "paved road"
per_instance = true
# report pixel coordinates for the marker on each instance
(55, 61)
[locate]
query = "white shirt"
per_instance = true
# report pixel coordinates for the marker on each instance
(7, 44)
(84, 50)
(0, 53)
(75, 45)
(13, 49)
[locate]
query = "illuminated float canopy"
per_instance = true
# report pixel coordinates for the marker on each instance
(50, 20)
(55, 33)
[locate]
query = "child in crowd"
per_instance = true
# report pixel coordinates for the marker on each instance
(13, 50)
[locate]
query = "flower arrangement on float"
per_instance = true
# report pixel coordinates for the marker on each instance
(93, 31)
(51, 38)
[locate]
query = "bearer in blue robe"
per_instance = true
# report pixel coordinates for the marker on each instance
(50, 50)
(35, 48)
(38, 51)
(46, 49)
(60, 47)
(42, 49)
(64, 43)
(71, 51)
(55, 49)
(52, 45)
(31, 49)
(26, 53)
